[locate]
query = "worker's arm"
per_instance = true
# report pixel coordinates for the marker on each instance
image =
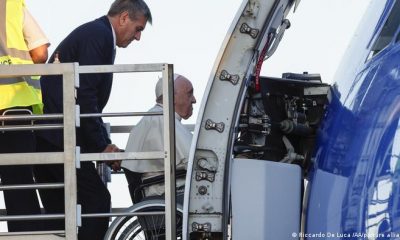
(39, 54)
(35, 39)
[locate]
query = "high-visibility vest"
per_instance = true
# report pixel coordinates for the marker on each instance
(16, 91)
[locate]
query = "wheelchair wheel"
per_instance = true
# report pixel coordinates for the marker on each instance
(151, 227)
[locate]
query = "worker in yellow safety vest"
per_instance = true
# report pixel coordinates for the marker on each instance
(21, 42)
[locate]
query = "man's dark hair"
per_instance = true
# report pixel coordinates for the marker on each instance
(134, 8)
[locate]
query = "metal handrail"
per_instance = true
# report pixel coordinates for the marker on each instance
(82, 115)
(36, 127)
(56, 157)
(31, 158)
(31, 186)
(84, 215)
(128, 128)
(119, 214)
(30, 127)
(32, 217)
(31, 233)
(30, 117)
(71, 155)
(121, 156)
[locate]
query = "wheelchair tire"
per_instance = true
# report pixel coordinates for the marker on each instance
(143, 227)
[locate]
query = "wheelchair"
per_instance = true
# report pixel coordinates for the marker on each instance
(148, 227)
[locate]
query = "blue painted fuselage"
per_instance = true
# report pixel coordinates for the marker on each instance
(354, 184)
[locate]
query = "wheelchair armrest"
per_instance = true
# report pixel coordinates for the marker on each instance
(150, 181)
(160, 178)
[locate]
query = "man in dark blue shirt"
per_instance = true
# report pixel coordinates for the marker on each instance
(92, 43)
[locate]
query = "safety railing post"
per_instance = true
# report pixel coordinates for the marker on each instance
(169, 148)
(70, 81)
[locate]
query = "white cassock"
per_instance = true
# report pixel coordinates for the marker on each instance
(148, 136)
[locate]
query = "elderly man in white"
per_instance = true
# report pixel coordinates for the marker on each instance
(148, 136)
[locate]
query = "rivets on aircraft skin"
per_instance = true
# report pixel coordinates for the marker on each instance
(210, 125)
(253, 32)
(207, 207)
(252, 8)
(225, 76)
(198, 227)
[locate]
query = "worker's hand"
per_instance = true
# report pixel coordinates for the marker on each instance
(111, 148)
(114, 165)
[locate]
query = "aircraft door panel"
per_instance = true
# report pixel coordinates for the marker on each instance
(207, 216)
(266, 199)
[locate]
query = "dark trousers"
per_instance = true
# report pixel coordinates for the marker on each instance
(92, 194)
(19, 202)
(134, 180)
